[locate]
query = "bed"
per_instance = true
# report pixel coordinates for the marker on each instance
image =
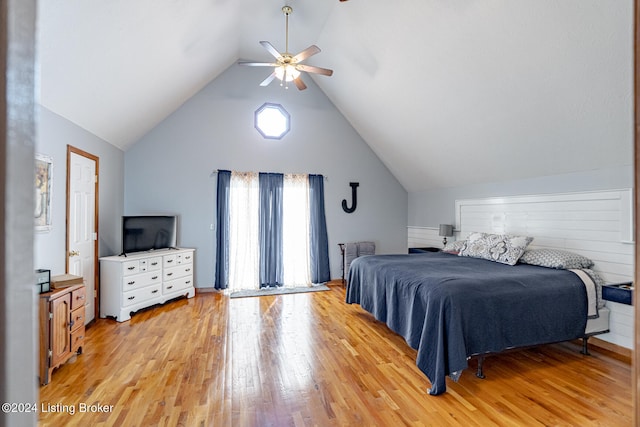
(451, 308)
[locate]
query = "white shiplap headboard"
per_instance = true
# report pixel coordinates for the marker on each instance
(598, 225)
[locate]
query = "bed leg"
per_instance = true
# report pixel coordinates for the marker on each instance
(585, 348)
(479, 373)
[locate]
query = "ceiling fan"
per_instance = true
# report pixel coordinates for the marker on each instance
(287, 67)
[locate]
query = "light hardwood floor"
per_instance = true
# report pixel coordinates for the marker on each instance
(312, 360)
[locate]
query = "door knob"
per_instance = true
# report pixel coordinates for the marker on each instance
(74, 253)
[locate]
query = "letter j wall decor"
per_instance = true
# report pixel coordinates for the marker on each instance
(354, 198)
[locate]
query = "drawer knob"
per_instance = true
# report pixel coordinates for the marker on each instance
(131, 268)
(188, 270)
(154, 277)
(187, 282)
(170, 287)
(155, 291)
(80, 297)
(169, 260)
(169, 274)
(131, 283)
(131, 298)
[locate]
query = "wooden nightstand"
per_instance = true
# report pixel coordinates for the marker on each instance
(618, 292)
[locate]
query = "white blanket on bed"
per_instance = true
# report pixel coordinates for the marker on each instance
(592, 294)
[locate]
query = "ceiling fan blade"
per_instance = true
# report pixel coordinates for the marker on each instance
(299, 83)
(258, 64)
(310, 51)
(269, 79)
(315, 70)
(272, 50)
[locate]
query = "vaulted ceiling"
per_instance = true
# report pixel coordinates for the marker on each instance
(446, 92)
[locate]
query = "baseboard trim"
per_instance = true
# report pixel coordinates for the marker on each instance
(206, 290)
(620, 352)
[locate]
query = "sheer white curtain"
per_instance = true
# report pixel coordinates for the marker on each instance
(296, 234)
(244, 226)
(244, 248)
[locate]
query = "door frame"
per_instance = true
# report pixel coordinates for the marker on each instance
(73, 150)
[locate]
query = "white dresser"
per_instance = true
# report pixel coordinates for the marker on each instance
(139, 280)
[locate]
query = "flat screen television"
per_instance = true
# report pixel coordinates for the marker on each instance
(148, 232)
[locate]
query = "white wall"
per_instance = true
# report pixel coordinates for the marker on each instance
(170, 169)
(54, 133)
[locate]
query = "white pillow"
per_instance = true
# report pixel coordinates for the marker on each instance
(503, 248)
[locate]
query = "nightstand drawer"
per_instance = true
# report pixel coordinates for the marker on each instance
(78, 298)
(77, 339)
(618, 292)
(77, 318)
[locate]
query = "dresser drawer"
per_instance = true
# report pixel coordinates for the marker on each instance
(78, 298)
(154, 263)
(130, 267)
(186, 258)
(176, 272)
(138, 281)
(141, 295)
(169, 260)
(177, 285)
(77, 318)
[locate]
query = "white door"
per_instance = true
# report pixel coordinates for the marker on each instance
(81, 229)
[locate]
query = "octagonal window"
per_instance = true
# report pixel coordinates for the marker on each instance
(272, 121)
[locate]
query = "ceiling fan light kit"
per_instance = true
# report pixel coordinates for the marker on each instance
(288, 67)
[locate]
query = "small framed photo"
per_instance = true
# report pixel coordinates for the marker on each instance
(43, 185)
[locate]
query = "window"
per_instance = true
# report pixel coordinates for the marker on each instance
(272, 121)
(271, 230)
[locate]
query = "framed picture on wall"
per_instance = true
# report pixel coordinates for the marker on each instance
(43, 185)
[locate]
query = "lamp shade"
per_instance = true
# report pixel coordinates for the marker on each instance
(287, 73)
(446, 230)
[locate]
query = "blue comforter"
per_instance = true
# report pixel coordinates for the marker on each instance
(450, 308)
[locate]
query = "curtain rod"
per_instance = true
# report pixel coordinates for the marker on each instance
(215, 172)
